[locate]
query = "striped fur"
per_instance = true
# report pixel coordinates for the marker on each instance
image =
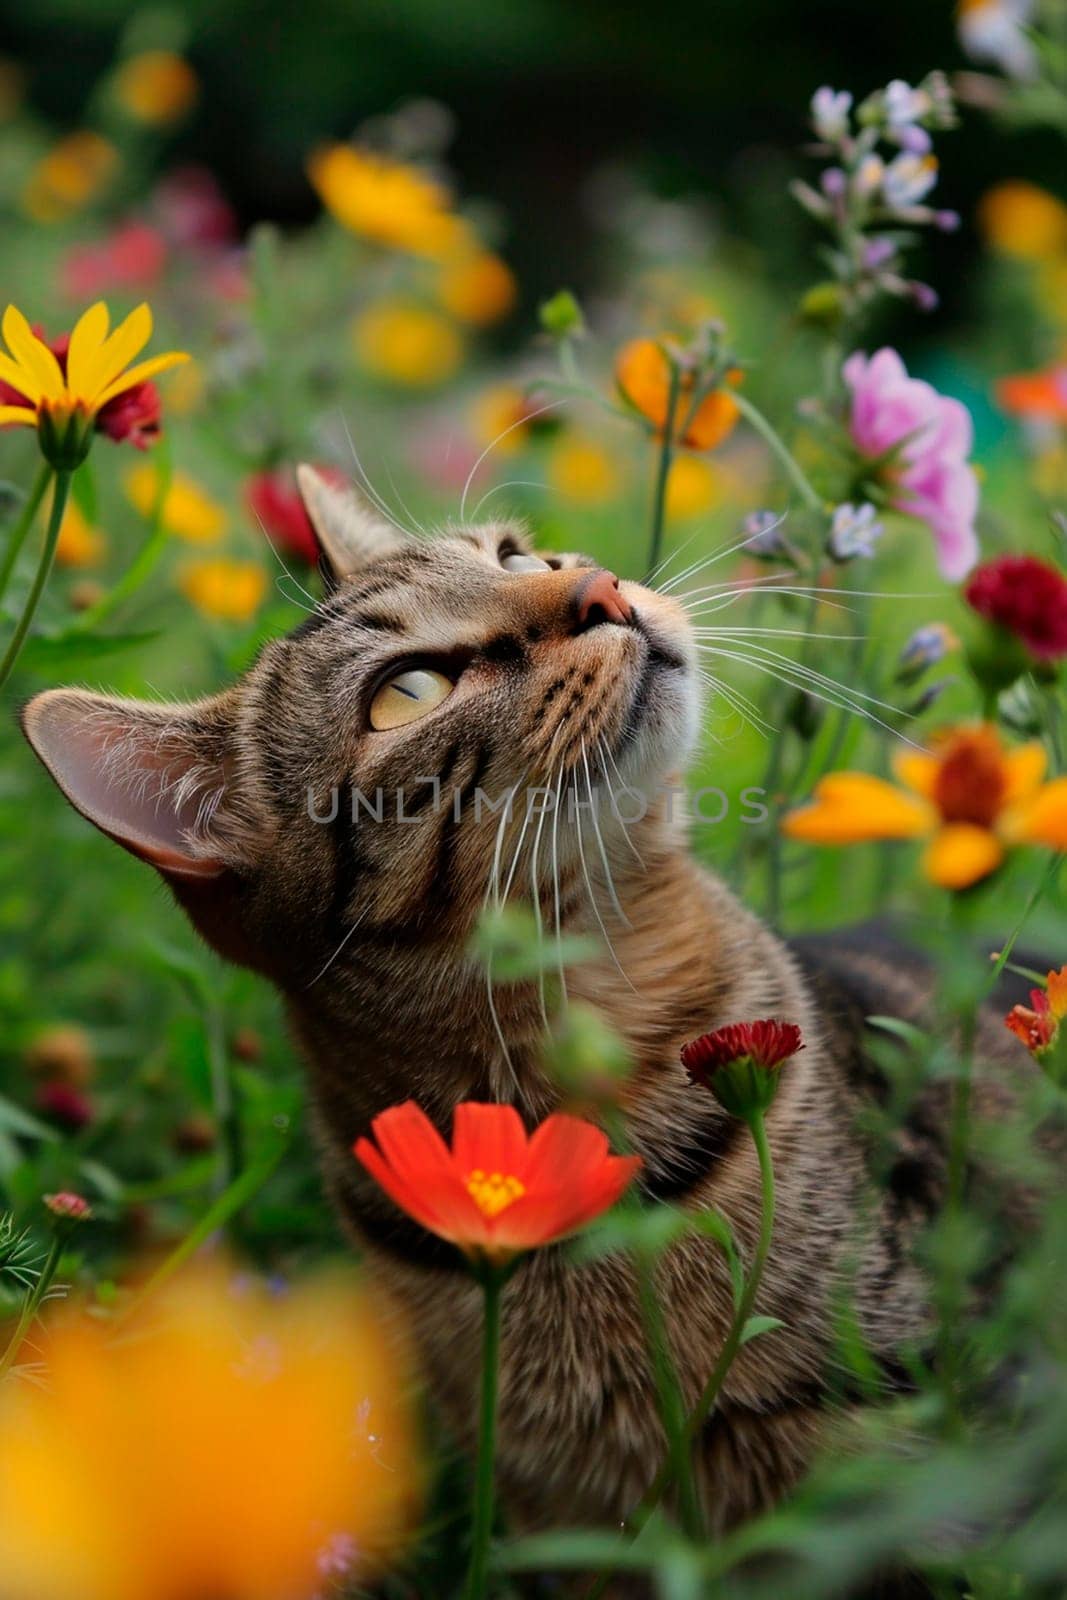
(365, 926)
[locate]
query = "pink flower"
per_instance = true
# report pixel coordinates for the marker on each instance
(194, 212)
(927, 439)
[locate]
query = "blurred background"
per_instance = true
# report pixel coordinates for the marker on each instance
(548, 99)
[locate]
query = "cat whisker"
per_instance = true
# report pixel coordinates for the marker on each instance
(589, 884)
(287, 572)
(512, 483)
(555, 881)
(535, 896)
(376, 498)
(337, 952)
(739, 703)
(551, 405)
(764, 652)
(717, 555)
(606, 756)
(600, 839)
(841, 703)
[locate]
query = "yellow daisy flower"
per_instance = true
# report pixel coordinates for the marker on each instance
(188, 511)
(970, 797)
(62, 401)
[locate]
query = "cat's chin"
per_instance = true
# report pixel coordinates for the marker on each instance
(662, 723)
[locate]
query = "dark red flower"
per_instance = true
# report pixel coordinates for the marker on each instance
(274, 502)
(133, 415)
(65, 1105)
(739, 1062)
(1026, 597)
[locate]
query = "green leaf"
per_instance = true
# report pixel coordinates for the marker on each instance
(70, 652)
(757, 1325)
(915, 1037)
(14, 1120)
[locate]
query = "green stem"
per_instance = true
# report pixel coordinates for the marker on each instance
(482, 1518)
(666, 455)
(698, 1416)
(17, 536)
(671, 1403)
(953, 1273)
(215, 1217)
(32, 1305)
(44, 567)
(773, 439)
(224, 1101)
(706, 1403)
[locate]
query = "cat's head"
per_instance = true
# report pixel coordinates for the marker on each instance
(357, 774)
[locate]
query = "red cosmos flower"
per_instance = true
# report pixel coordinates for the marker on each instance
(1039, 1027)
(498, 1191)
(133, 415)
(274, 502)
(739, 1062)
(1026, 597)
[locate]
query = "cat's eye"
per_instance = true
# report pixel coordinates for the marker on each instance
(408, 696)
(519, 561)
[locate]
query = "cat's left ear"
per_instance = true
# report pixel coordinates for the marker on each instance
(351, 535)
(163, 782)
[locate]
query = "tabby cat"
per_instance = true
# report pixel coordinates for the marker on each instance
(436, 676)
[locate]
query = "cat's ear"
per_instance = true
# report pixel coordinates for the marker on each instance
(158, 779)
(351, 535)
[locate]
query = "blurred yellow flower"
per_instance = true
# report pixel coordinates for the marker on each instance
(224, 1442)
(156, 87)
(498, 418)
(971, 797)
(69, 176)
(407, 344)
(1019, 219)
(387, 201)
(479, 288)
(582, 471)
(230, 590)
(188, 511)
(80, 544)
(1051, 283)
(693, 486)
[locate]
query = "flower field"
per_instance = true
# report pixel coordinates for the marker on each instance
(830, 431)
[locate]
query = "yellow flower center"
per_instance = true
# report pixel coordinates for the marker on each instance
(493, 1192)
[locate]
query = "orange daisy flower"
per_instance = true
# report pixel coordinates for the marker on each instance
(643, 374)
(498, 1191)
(971, 797)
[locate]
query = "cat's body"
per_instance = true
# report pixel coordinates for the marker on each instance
(552, 680)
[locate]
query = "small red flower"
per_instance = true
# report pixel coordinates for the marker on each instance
(274, 502)
(65, 1105)
(68, 1206)
(129, 259)
(1026, 597)
(739, 1062)
(498, 1191)
(1038, 1025)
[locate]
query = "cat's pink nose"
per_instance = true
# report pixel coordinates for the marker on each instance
(598, 600)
